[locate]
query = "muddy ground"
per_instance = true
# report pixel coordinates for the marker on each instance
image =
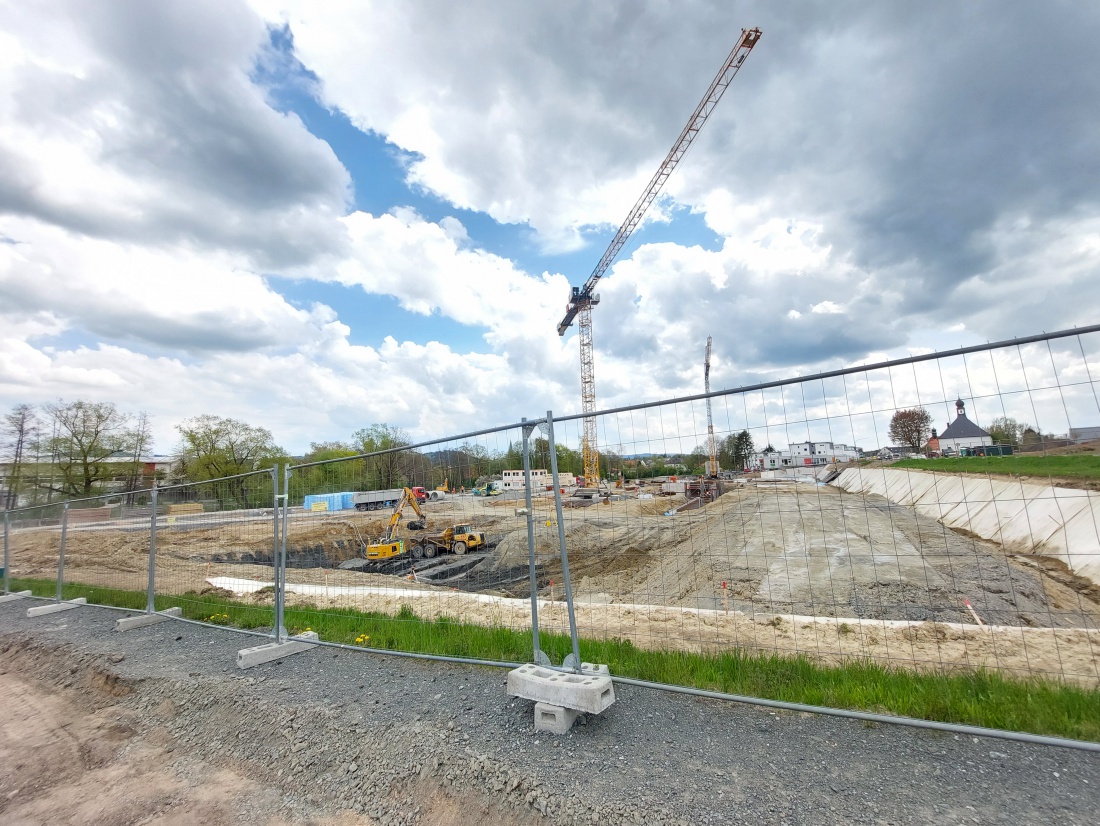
(877, 579)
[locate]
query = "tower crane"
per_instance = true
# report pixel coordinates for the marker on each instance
(712, 447)
(583, 299)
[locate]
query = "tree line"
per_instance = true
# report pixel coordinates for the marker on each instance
(81, 449)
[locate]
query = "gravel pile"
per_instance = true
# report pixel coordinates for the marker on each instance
(402, 741)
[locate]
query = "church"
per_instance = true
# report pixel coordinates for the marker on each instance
(961, 433)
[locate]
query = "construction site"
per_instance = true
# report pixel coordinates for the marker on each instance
(788, 567)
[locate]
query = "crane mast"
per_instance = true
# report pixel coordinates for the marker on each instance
(583, 299)
(712, 447)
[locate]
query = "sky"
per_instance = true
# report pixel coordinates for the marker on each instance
(314, 217)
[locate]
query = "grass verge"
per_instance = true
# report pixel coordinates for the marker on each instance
(1064, 467)
(979, 699)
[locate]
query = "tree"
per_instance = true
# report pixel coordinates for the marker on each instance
(213, 448)
(736, 451)
(19, 430)
(142, 442)
(325, 451)
(911, 427)
(386, 470)
(86, 435)
(330, 477)
(1006, 431)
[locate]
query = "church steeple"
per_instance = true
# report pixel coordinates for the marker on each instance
(960, 408)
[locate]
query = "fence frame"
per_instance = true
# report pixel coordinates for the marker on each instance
(528, 427)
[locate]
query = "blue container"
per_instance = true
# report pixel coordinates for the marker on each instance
(333, 501)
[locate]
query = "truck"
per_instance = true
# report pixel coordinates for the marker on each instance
(457, 540)
(377, 500)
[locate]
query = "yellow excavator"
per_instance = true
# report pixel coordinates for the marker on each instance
(391, 545)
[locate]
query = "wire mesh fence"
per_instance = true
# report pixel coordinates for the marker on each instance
(427, 546)
(215, 548)
(106, 551)
(923, 514)
(32, 544)
(933, 514)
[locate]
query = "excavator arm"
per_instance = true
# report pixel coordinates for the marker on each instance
(407, 498)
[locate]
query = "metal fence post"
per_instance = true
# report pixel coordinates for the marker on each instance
(538, 656)
(278, 548)
(61, 555)
(149, 603)
(7, 557)
(576, 655)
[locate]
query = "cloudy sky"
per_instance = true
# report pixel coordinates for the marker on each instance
(317, 216)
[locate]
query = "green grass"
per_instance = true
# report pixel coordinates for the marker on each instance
(980, 699)
(1066, 467)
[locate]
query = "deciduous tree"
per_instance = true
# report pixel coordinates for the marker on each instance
(386, 470)
(18, 431)
(911, 427)
(213, 447)
(1006, 431)
(86, 435)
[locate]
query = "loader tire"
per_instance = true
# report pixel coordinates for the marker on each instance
(459, 548)
(429, 550)
(417, 551)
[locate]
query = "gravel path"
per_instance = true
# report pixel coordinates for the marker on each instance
(402, 741)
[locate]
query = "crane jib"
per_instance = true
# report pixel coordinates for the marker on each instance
(729, 69)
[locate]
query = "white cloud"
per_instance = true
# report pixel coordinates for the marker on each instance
(169, 297)
(524, 113)
(142, 124)
(152, 199)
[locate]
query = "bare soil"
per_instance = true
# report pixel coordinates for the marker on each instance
(78, 753)
(789, 568)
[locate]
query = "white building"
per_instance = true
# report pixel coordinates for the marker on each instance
(805, 454)
(962, 433)
(513, 480)
(540, 480)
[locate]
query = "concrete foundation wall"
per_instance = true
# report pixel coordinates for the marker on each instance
(1022, 517)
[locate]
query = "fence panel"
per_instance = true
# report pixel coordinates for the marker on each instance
(824, 550)
(34, 549)
(215, 544)
(107, 549)
(455, 582)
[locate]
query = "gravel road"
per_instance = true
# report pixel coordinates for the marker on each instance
(376, 739)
